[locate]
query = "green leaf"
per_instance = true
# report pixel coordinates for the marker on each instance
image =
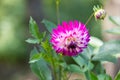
(49, 25)
(33, 28)
(115, 20)
(108, 77)
(114, 30)
(46, 45)
(40, 68)
(108, 51)
(83, 63)
(90, 65)
(98, 69)
(90, 76)
(33, 52)
(83, 59)
(104, 77)
(32, 41)
(74, 68)
(117, 77)
(104, 57)
(101, 77)
(36, 57)
(80, 61)
(93, 76)
(87, 53)
(96, 43)
(109, 46)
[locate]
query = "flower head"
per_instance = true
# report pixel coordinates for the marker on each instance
(99, 13)
(70, 38)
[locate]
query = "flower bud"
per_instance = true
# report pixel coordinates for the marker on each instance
(99, 13)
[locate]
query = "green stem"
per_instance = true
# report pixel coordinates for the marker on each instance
(57, 11)
(54, 68)
(89, 18)
(65, 75)
(60, 73)
(87, 75)
(60, 68)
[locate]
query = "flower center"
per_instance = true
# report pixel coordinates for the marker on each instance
(72, 45)
(71, 42)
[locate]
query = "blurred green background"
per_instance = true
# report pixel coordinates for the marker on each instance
(14, 30)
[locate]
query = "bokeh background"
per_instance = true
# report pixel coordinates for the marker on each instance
(14, 30)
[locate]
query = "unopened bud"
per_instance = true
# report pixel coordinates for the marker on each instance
(99, 13)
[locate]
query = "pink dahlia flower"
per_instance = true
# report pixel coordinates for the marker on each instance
(70, 38)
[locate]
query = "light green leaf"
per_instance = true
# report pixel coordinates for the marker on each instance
(49, 25)
(90, 65)
(117, 77)
(111, 45)
(101, 77)
(115, 20)
(83, 63)
(95, 42)
(83, 59)
(87, 53)
(104, 77)
(80, 60)
(114, 30)
(40, 68)
(33, 28)
(108, 51)
(74, 68)
(36, 57)
(104, 57)
(47, 46)
(32, 41)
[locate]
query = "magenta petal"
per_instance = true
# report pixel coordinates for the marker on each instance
(70, 38)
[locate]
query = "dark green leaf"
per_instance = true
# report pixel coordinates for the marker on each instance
(117, 77)
(107, 77)
(33, 52)
(115, 20)
(90, 76)
(93, 76)
(98, 69)
(49, 25)
(114, 30)
(40, 68)
(32, 41)
(34, 30)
